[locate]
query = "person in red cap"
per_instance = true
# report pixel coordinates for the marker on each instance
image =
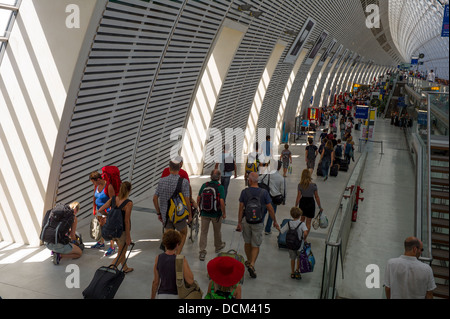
(226, 274)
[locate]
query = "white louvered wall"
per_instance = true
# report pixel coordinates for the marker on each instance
(137, 87)
(143, 69)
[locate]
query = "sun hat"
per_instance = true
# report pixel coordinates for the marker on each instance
(225, 271)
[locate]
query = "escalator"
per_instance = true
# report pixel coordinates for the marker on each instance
(440, 217)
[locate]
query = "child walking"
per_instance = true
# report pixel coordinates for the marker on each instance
(295, 241)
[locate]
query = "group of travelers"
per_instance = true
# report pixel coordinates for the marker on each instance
(265, 190)
(266, 181)
(401, 119)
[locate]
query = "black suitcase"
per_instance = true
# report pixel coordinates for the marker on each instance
(334, 171)
(106, 281)
(319, 170)
(344, 166)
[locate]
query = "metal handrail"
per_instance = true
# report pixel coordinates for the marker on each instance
(14, 11)
(9, 7)
(366, 141)
(337, 246)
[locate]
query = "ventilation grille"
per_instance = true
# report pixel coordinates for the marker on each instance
(137, 87)
(143, 69)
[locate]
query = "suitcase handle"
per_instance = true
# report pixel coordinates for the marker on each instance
(126, 259)
(232, 240)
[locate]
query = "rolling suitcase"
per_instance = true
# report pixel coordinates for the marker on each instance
(334, 171)
(106, 281)
(282, 237)
(344, 166)
(234, 254)
(319, 170)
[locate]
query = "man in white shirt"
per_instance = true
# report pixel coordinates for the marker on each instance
(408, 278)
(431, 76)
(277, 189)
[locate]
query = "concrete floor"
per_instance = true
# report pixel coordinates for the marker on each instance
(385, 220)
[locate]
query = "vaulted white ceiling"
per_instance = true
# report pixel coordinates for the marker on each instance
(416, 27)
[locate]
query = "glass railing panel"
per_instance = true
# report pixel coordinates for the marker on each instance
(439, 113)
(339, 230)
(6, 18)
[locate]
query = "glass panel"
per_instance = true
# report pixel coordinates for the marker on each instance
(6, 17)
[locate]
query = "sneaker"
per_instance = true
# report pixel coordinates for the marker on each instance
(202, 256)
(110, 251)
(268, 233)
(99, 245)
(326, 177)
(218, 250)
(56, 258)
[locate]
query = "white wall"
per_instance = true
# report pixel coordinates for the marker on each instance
(36, 74)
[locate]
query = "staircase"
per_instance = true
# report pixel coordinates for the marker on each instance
(440, 218)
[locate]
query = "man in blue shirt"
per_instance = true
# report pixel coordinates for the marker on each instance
(252, 202)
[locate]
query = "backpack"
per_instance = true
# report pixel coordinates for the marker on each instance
(254, 211)
(338, 151)
(56, 224)
(263, 185)
(311, 152)
(252, 167)
(210, 198)
(348, 149)
(111, 175)
(293, 242)
(114, 225)
(286, 156)
(228, 167)
(219, 294)
(177, 208)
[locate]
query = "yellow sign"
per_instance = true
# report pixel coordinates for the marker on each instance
(373, 115)
(435, 88)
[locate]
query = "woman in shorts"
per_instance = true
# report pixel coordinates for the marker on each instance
(307, 196)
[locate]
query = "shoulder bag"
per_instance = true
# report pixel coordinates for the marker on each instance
(184, 290)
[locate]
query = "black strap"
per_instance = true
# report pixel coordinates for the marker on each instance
(179, 186)
(113, 203)
(289, 225)
(126, 259)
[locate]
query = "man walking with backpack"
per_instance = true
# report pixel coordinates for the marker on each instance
(296, 233)
(211, 201)
(311, 154)
(252, 203)
(169, 187)
(227, 167)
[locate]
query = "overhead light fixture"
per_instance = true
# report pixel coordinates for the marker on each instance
(255, 14)
(245, 7)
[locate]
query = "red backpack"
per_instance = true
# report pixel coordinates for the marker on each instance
(111, 175)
